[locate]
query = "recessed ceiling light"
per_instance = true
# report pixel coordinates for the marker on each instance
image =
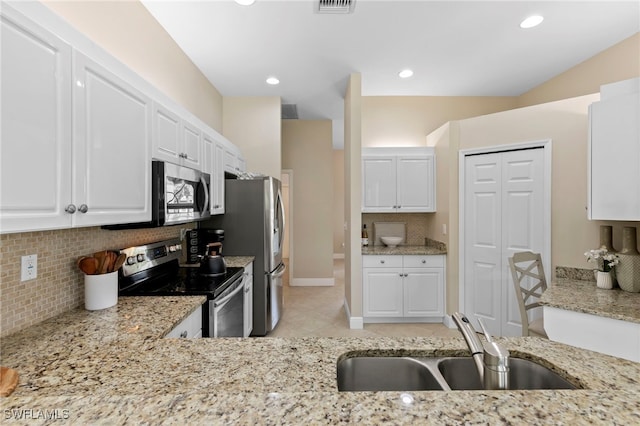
(245, 2)
(273, 81)
(405, 73)
(531, 21)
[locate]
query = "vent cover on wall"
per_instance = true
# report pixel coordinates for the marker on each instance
(289, 112)
(336, 6)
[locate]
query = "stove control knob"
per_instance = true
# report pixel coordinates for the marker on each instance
(178, 247)
(172, 249)
(140, 257)
(131, 260)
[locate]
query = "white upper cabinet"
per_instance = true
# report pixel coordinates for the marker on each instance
(35, 172)
(217, 179)
(398, 180)
(175, 140)
(614, 153)
(79, 130)
(112, 146)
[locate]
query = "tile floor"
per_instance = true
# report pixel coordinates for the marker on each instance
(319, 311)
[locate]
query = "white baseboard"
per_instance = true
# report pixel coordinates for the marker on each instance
(338, 255)
(355, 323)
(313, 282)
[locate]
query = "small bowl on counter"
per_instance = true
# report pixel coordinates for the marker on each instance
(391, 241)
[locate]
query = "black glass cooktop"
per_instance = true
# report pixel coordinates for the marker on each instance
(183, 281)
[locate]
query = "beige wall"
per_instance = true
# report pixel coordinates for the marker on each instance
(352, 193)
(254, 125)
(407, 120)
(619, 62)
(338, 202)
(565, 123)
(307, 150)
(127, 30)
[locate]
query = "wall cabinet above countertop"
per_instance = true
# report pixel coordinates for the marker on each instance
(80, 128)
(398, 180)
(614, 153)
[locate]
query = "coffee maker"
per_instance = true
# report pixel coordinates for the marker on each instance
(197, 240)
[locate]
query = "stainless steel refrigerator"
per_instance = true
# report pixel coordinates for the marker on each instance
(253, 223)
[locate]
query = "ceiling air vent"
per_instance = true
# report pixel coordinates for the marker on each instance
(289, 112)
(336, 6)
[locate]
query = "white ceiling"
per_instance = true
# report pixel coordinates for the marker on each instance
(455, 48)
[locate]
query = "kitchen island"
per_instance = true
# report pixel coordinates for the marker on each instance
(114, 367)
(579, 313)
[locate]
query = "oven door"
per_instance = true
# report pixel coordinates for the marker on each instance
(226, 312)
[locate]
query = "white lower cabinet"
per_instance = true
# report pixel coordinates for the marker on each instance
(190, 327)
(247, 280)
(595, 333)
(403, 288)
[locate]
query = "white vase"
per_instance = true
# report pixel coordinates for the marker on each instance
(604, 280)
(100, 291)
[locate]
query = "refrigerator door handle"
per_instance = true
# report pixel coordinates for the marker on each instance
(282, 219)
(279, 271)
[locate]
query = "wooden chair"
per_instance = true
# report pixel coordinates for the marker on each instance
(528, 265)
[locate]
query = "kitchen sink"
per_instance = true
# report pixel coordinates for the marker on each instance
(385, 374)
(460, 373)
(372, 373)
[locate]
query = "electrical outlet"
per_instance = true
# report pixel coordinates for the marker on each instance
(29, 268)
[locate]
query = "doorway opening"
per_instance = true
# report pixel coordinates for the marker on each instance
(286, 177)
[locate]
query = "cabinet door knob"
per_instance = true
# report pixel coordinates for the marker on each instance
(183, 334)
(382, 261)
(424, 260)
(71, 209)
(83, 208)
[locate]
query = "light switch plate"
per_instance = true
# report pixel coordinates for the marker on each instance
(29, 269)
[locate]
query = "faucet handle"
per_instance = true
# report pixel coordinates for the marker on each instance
(494, 354)
(484, 330)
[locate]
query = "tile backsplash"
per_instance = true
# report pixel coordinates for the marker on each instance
(59, 284)
(417, 224)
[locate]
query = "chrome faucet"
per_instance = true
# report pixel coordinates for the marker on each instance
(492, 360)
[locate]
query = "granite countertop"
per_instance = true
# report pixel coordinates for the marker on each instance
(586, 297)
(403, 250)
(239, 261)
(113, 367)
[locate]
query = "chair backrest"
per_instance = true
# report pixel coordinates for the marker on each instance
(526, 265)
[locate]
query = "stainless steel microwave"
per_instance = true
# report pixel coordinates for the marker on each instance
(178, 195)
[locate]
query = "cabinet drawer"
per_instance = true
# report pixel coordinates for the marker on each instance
(423, 261)
(386, 261)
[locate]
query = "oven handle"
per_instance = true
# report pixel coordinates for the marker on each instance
(218, 303)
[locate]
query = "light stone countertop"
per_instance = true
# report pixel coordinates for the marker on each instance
(586, 297)
(239, 261)
(93, 368)
(402, 250)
